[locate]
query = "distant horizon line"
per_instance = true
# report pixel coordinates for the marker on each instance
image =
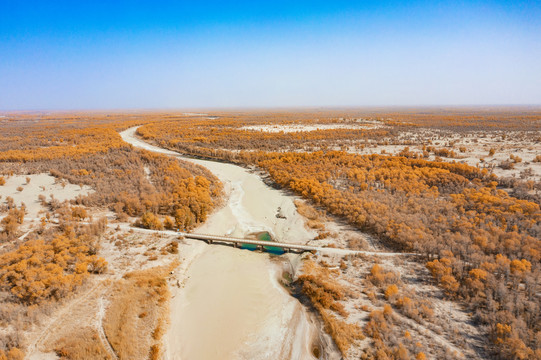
(274, 108)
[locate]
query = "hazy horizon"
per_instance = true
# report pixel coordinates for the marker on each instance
(279, 109)
(244, 55)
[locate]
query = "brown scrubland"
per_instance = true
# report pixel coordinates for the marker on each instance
(134, 309)
(60, 256)
(477, 233)
(459, 187)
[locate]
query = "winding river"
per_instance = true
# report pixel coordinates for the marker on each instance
(230, 304)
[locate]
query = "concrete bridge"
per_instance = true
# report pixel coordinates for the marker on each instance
(287, 247)
(258, 243)
(211, 239)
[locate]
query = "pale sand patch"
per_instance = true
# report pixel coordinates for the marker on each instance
(477, 145)
(306, 128)
(40, 184)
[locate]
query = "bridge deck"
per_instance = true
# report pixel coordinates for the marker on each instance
(233, 240)
(285, 246)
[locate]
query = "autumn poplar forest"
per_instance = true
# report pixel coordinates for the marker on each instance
(427, 221)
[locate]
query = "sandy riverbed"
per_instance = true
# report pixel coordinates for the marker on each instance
(229, 304)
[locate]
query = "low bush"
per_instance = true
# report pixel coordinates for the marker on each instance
(82, 345)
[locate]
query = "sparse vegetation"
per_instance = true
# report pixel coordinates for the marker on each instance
(84, 344)
(140, 292)
(325, 294)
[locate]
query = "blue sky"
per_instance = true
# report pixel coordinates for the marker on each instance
(203, 54)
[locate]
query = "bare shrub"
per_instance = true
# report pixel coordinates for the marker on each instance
(306, 210)
(81, 345)
(343, 333)
(507, 165)
(381, 277)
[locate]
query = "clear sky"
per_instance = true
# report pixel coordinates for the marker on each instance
(201, 54)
